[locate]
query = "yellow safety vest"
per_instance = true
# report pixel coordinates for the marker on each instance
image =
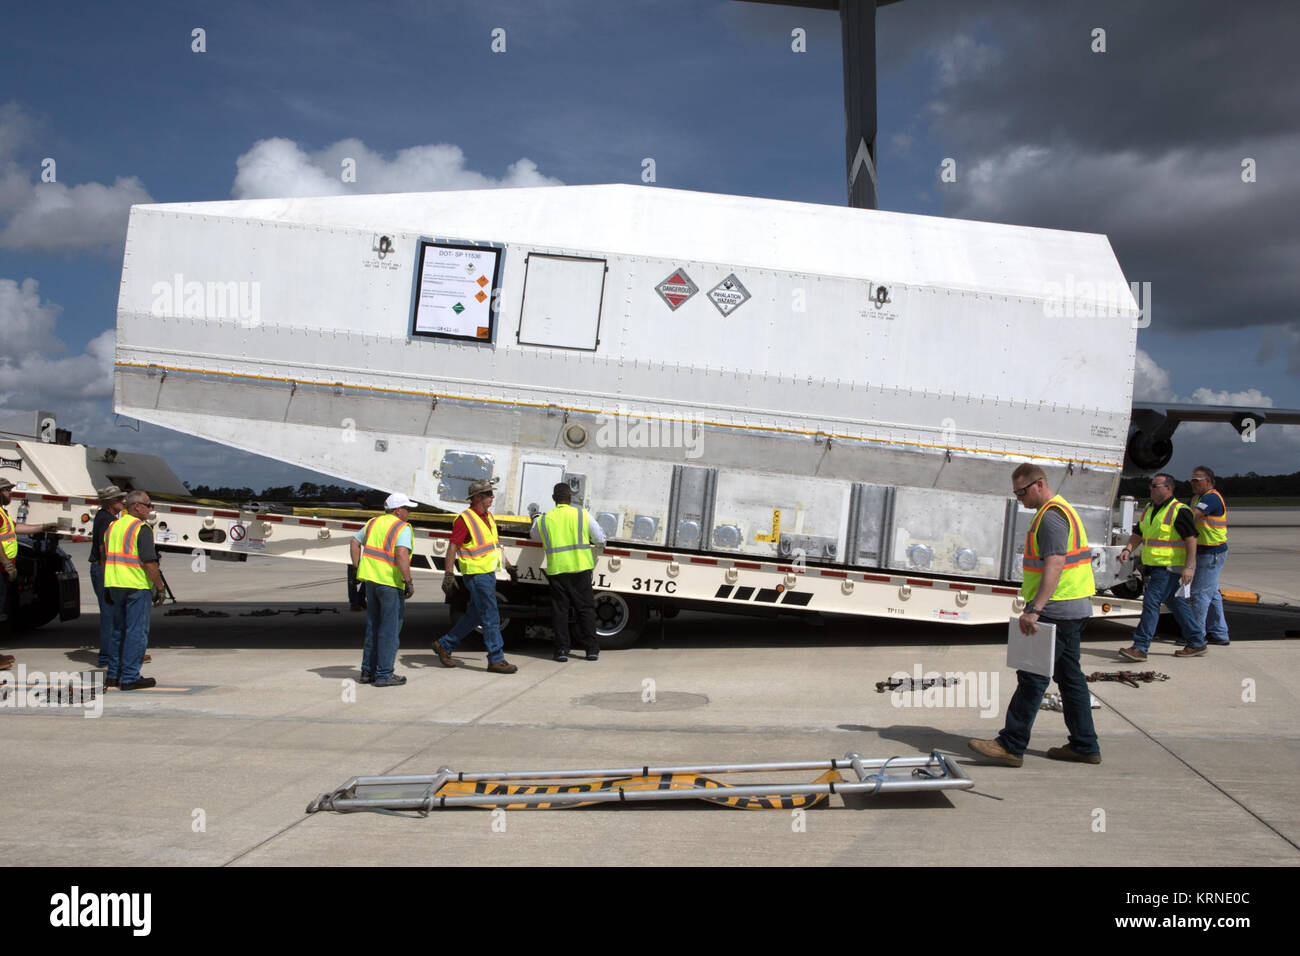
(567, 540)
(481, 554)
(8, 536)
(1076, 577)
(1161, 545)
(1210, 530)
(122, 565)
(379, 552)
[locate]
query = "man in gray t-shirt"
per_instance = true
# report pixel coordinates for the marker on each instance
(1068, 616)
(1054, 538)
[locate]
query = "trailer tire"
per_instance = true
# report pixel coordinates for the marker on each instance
(39, 567)
(619, 619)
(1129, 590)
(511, 630)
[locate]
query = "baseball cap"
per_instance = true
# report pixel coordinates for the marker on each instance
(5, 484)
(398, 501)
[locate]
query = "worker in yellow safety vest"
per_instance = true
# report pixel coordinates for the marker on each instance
(1166, 533)
(568, 536)
(381, 553)
(1210, 513)
(9, 532)
(475, 549)
(132, 582)
(1057, 589)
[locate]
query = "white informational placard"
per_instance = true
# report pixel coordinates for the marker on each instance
(1035, 653)
(454, 290)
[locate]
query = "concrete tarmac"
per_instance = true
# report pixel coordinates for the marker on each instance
(255, 716)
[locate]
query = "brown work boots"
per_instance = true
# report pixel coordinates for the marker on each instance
(1069, 753)
(995, 752)
(446, 660)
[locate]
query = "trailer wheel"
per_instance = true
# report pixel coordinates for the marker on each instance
(511, 630)
(1129, 590)
(619, 620)
(47, 587)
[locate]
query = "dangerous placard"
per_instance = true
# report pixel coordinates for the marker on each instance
(455, 290)
(676, 289)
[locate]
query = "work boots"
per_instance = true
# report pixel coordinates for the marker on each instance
(995, 752)
(502, 667)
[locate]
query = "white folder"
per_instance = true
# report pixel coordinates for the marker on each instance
(1035, 652)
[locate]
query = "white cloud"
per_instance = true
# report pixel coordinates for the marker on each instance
(1150, 381)
(28, 323)
(30, 373)
(1269, 450)
(37, 216)
(278, 167)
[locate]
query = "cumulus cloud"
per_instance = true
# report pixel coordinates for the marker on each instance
(279, 167)
(1150, 381)
(38, 216)
(1144, 142)
(38, 371)
(33, 370)
(1269, 450)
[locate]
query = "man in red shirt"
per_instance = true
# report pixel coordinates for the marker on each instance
(475, 548)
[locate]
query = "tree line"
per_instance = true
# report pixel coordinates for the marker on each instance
(1249, 485)
(307, 492)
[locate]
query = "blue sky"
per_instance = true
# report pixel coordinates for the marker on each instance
(1142, 142)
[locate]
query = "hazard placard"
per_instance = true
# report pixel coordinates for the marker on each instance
(676, 289)
(729, 295)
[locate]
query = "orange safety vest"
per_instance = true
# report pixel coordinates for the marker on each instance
(483, 554)
(122, 565)
(1076, 577)
(1210, 530)
(1161, 546)
(379, 552)
(8, 535)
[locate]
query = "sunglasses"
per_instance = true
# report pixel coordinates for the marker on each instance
(1020, 492)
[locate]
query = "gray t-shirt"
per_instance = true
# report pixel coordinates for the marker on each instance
(1054, 538)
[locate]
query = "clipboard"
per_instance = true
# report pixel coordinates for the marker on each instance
(1035, 653)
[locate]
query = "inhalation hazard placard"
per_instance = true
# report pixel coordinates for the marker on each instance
(729, 295)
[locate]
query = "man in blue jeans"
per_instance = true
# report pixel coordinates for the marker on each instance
(111, 500)
(1058, 588)
(132, 586)
(1167, 533)
(476, 550)
(1210, 513)
(381, 553)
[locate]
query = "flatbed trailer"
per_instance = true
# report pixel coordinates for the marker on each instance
(631, 583)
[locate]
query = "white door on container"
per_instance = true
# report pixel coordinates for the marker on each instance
(561, 305)
(536, 484)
